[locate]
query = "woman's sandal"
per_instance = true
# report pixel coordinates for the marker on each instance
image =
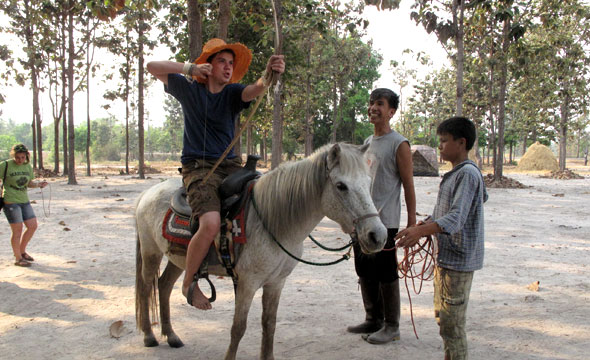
(22, 262)
(27, 257)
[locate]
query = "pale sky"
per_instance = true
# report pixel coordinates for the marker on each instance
(391, 32)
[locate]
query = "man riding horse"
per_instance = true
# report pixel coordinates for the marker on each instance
(210, 105)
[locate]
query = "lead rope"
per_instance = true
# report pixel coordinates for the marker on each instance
(421, 253)
(48, 211)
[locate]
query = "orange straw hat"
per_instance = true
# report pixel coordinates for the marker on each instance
(242, 58)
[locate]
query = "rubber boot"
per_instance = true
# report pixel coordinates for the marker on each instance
(373, 308)
(391, 309)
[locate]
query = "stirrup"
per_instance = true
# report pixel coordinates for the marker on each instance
(191, 289)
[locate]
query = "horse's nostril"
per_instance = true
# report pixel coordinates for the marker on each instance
(373, 237)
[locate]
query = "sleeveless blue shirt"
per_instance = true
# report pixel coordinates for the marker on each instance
(208, 118)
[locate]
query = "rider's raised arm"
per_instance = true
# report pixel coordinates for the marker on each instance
(161, 69)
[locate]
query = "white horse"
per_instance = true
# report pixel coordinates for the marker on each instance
(290, 201)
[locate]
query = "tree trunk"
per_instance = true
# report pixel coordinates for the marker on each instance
(308, 148)
(37, 118)
(71, 55)
(127, 75)
(264, 148)
(195, 30)
(335, 113)
(65, 100)
(459, 6)
(524, 144)
(62, 114)
(223, 21)
(56, 145)
(563, 131)
(140, 109)
(499, 165)
(65, 121)
(478, 159)
(249, 140)
(34, 135)
(88, 172)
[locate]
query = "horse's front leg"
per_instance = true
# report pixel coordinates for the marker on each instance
(244, 296)
(165, 286)
(270, 304)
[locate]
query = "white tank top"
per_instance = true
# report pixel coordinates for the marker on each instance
(385, 179)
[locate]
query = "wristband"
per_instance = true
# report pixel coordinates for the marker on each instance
(186, 68)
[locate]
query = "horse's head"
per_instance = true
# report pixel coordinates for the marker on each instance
(346, 198)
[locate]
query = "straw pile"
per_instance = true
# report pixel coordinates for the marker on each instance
(538, 157)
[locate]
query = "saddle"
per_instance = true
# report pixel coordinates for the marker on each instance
(234, 192)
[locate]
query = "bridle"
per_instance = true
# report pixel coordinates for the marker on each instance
(355, 219)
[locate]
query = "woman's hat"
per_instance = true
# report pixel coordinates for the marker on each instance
(242, 58)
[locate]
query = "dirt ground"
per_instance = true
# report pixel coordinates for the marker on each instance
(82, 281)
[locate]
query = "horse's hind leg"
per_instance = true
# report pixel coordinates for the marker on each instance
(243, 300)
(145, 282)
(165, 286)
(270, 303)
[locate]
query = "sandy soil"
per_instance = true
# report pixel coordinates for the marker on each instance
(83, 280)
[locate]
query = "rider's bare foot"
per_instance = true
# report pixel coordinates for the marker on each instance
(200, 301)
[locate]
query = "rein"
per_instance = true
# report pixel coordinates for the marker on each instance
(328, 248)
(344, 257)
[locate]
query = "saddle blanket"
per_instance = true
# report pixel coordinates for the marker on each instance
(176, 228)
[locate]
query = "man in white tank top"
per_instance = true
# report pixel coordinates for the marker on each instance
(390, 162)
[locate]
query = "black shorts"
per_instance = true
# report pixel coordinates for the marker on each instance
(381, 266)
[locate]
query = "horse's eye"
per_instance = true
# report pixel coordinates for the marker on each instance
(341, 186)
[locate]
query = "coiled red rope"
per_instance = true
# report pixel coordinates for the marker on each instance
(418, 265)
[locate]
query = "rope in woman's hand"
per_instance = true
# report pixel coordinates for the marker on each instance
(48, 211)
(417, 265)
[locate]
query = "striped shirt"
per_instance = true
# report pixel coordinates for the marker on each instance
(459, 213)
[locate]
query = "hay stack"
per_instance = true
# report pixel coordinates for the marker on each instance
(538, 157)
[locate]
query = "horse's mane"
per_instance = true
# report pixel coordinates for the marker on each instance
(283, 195)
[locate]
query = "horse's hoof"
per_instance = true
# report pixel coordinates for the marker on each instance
(174, 341)
(150, 341)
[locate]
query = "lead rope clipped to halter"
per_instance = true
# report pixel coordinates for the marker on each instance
(424, 253)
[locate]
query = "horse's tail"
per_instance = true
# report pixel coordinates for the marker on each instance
(140, 285)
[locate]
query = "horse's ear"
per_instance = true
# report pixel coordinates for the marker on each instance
(334, 156)
(363, 148)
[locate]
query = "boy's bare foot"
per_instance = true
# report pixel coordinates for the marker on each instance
(199, 300)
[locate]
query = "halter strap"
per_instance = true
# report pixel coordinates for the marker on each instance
(361, 218)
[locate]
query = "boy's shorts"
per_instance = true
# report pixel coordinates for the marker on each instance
(205, 198)
(18, 213)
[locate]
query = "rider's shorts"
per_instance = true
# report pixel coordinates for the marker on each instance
(205, 198)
